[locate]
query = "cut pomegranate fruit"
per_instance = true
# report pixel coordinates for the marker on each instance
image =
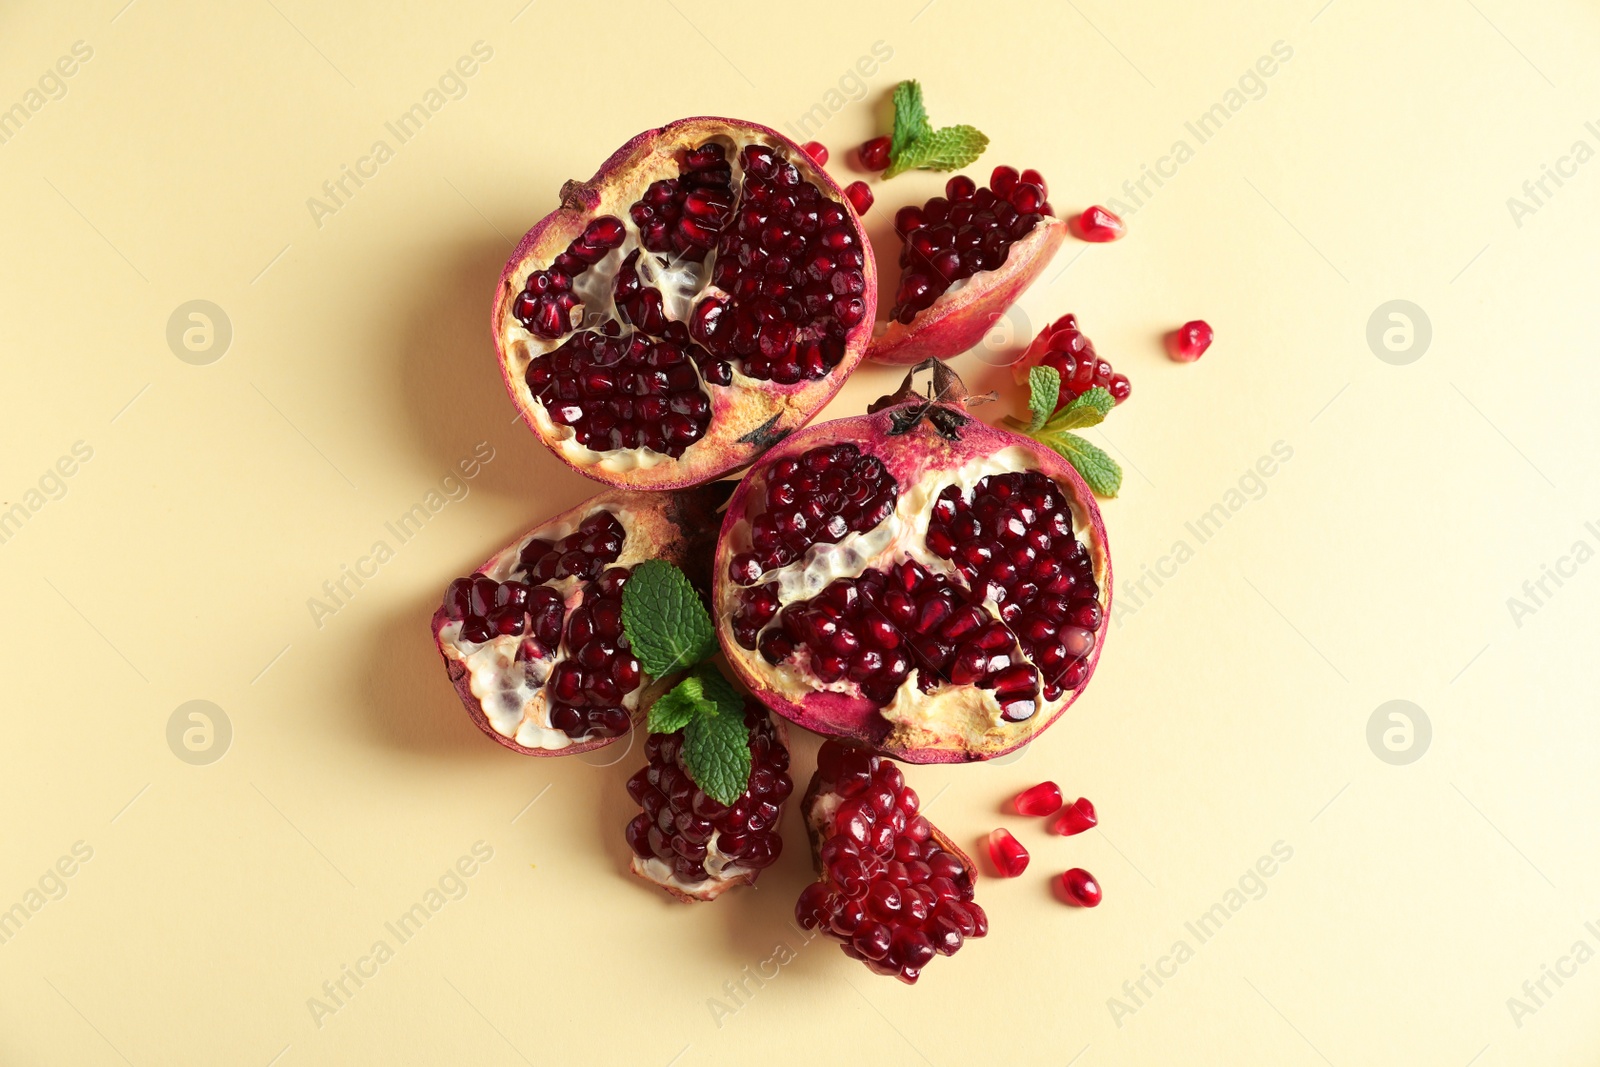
(1078, 817)
(1099, 225)
(875, 153)
(689, 843)
(533, 641)
(1042, 799)
(967, 256)
(914, 579)
(1081, 887)
(1190, 341)
(1066, 348)
(860, 197)
(1009, 857)
(817, 151)
(699, 298)
(893, 889)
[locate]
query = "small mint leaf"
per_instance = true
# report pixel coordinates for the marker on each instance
(716, 743)
(949, 148)
(677, 706)
(664, 620)
(1090, 409)
(910, 118)
(1044, 389)
(1098, 469)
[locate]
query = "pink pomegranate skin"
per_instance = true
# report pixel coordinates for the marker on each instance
(744, 422)
(957, 321)
(908, 458)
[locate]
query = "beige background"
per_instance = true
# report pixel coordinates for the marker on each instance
(1232, 706)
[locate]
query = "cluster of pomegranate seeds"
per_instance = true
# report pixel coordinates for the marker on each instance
(583, 554)
(1081, 887)
(1191, 341)
(681, 824)
(488, 609)
(1072, 354)
(1007, 853)
(860, 197)
(1041, 799)
(1099, 225)
(546, 302)
(683, 216)
(875, 153)
(1013, 541)
(586, 688)
(816, 498)
(793, 269)
(1078, 817)
(889, 892)
(967, 230)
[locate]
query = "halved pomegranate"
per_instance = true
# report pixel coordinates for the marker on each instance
(699, 298)
(532, 639)
(914, 579)
(968, 256)
(892, 888)
(689, 843)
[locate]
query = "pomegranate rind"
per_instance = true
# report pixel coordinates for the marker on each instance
(910, 458)
(675, 527)
(958, 320)
(711, 888)
(745, 420)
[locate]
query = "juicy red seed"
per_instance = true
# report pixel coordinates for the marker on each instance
(1078, 817)
(1009, 857)
(1065, 347)
(860, 196)
(1042, 799)
(819, 498)
(1191, 341)
(1099, 225)
(1081, 887)
(817, 151)
(875, 153)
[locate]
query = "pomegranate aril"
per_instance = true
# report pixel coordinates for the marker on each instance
(1191, 341)
(1081, 887)
(875, 153)
(1009, 857)
(1099, 225)
(1041, 799)
(1076, 818)
(860, 196)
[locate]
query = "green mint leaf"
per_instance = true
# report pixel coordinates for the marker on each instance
(1044, 389)
(1090, 409)
(910, 118)
(674, 709)
(949, 148)
(716, 744)
(1098, 469)
(664, 620)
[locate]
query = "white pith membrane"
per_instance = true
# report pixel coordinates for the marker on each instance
(683, 284)
(966, 714)
(719, 867)
(511, 691)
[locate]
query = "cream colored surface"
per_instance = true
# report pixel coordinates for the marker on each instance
(1405, 505)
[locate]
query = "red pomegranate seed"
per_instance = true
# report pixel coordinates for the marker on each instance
(860, 196)
(817, 151)
(1099, 225)
(1081, 887)
(1190, 342)
(875, 154)
(1078, 817)
(1041, 799)
(1010, 858)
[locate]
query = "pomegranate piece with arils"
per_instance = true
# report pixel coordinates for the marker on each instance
(533, 641)
(1066, 348)
(691, 844)
(914, 579)
(966, 258)
(893, 889)
(699, 298)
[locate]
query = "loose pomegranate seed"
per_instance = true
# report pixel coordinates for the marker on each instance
(1078, 817)
(1009, 857)
(875, 153)
(1099, 225)
(860, 196)
(817, 151)
(1066, 348)
(1081, 887)
(682, 826)
(967, 230)
(1041, 799)
(1191, 341)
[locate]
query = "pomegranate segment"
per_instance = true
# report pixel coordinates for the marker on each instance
(1081, 887)
(1078, 817)
(1041, 799)
(691, 844)
(704, 294)
(1007, 853)
(533, 640)
(893, 890)
(913, 579)
(1067, 348)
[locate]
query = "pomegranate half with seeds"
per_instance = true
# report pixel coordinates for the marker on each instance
(967, 257)
(532, 640)
(892, 888)
(914, 579)
(699, 298)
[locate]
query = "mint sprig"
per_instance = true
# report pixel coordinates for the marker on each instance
(669, 628)
(716, 744)
(916, 145)
(1053, 428)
